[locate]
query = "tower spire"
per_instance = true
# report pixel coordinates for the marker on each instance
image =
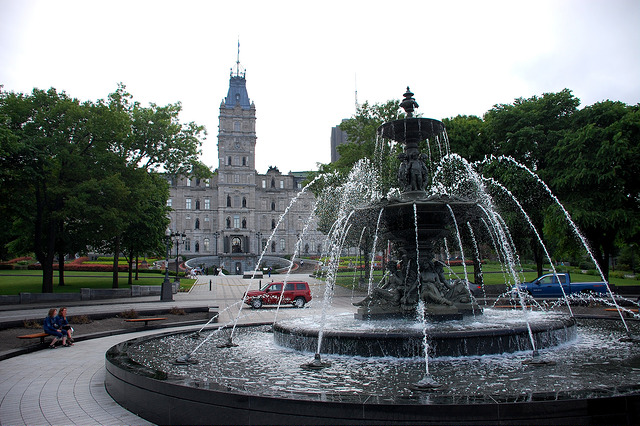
(240, 72)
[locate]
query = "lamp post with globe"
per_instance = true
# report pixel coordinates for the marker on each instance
(178, 238)
(166, 294)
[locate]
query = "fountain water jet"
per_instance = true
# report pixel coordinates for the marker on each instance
(416, 318)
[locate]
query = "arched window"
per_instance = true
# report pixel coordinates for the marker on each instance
(244, 202)
(206, 244)
(228, 200)
(197, 223)
(228, 222)
(273, 224)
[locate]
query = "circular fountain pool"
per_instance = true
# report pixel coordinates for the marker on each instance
(263, 380)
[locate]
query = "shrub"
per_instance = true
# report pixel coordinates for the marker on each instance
(31, 324)
(130, 314)
(80, 319)
(177, 311)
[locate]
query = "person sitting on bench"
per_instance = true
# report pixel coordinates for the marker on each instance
(51, 327)
(63, 323)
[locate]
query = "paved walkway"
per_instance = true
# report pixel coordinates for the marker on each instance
(65, 386)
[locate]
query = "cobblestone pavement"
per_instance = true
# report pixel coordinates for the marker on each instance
(65, 386)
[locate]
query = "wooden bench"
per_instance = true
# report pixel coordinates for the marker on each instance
(35, 336)
(146, 320)
(622, 309)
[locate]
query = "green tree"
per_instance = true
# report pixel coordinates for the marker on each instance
(466, 137)
(156, 141)
(49, 134)
(597, 176)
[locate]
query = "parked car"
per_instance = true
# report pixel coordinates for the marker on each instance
(548, 286)
(295, 292)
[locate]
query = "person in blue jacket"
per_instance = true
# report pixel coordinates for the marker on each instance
(64, 325)
(52, 328)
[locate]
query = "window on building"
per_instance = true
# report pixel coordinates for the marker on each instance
(299, 185)
(228, 200)
(236, 201)
(236, 221)
(229, 161)
(187, 203)
(283, 245)
(264, 183)
(197, 204)
(188, 182)
(236, 126)
(197, 181)
(244, 161)
(236, 245)
(205, 244)
(207, 182)
(187, 245)
(207, 204)
(169, 202)
(281, 184)
(236, 179)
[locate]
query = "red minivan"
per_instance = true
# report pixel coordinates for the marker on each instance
(295, 292)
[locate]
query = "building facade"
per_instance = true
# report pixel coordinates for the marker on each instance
(231, 219)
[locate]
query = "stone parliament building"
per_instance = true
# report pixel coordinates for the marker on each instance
(229, 219)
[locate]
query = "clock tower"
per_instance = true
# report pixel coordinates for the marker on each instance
(237, 174)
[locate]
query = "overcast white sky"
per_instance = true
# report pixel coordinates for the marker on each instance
(304, 60)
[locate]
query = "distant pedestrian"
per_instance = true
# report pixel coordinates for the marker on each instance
(269, 271)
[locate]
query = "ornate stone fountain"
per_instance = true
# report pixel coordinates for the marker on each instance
(484, 360)
(413, 222)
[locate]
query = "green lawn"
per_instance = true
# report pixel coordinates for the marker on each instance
(493, 275)
(14, 282)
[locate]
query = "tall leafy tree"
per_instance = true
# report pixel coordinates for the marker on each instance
(50, 138)
(597, 176)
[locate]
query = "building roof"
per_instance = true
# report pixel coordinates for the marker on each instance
(237, 93)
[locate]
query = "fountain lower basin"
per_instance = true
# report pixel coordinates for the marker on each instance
(595, 379)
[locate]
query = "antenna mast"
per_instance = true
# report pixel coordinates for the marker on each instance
(238, 67)
(355, 84)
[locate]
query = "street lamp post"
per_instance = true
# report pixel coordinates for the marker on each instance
(216, 235)
(166, 294)
(179, 238)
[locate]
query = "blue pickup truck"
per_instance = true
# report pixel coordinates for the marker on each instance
(548, 286)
